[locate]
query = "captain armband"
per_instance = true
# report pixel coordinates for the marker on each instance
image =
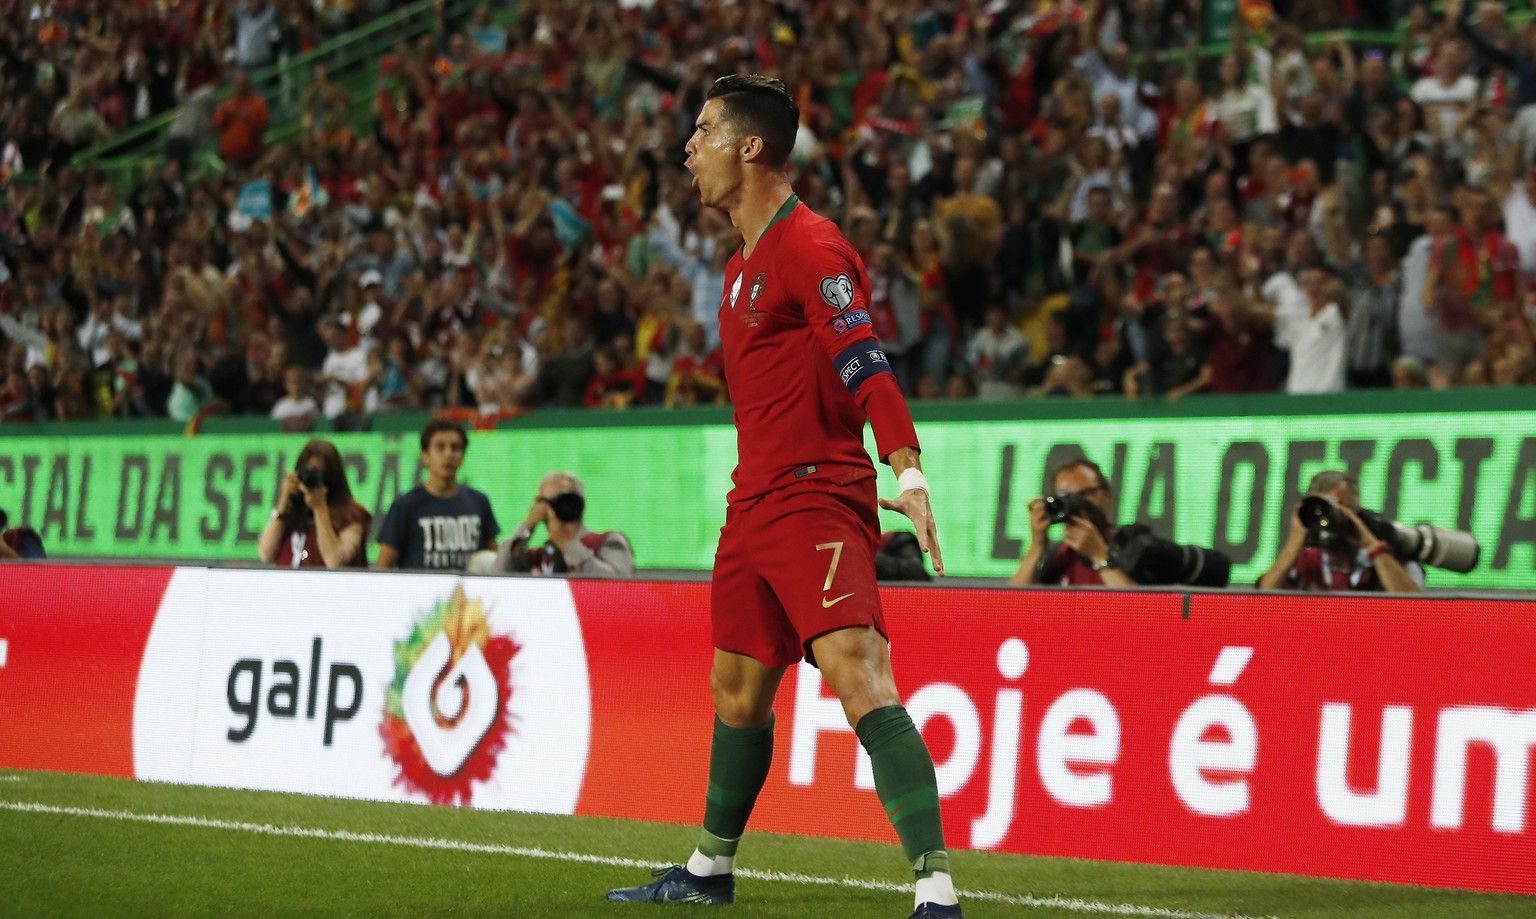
(859, 362)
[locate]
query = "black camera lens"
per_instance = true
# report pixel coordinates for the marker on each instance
(1318, 512)
(310, 476)
(568, 506)
(1326, 525)
(1064, 505)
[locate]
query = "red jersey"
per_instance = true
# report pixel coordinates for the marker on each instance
(802, 360)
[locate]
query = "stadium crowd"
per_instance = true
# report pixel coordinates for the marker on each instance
(1046, 206)
(77, 71)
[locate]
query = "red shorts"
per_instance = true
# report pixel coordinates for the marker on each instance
(793, 566)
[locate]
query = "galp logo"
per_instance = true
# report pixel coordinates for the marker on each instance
(447, 713)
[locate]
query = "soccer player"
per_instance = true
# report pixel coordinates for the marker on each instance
(795, 573)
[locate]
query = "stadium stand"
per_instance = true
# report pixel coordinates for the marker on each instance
(1051, 203)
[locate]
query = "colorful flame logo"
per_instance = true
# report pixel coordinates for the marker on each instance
(447, 715)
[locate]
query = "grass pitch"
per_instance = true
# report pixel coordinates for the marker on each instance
(81, 846)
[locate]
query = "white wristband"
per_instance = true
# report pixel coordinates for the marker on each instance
(911, 478)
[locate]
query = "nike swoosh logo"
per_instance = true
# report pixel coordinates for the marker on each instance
(825, 603)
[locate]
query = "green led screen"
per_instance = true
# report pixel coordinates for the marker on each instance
(1226, 482)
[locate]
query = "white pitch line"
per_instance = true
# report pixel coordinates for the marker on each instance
(454, 845)
(13, 778)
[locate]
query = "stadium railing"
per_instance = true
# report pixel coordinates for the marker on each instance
(350, 59)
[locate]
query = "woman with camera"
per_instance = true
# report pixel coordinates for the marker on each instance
(316, 523)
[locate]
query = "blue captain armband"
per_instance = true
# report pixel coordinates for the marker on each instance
(859, 362)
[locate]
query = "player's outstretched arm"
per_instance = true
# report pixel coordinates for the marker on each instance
(913, 501)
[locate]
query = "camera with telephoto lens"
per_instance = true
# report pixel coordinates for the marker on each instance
(1437, 547)
(311, 477)
(568, 506)
(1064, 505)
(900, 558)
(1149, 559)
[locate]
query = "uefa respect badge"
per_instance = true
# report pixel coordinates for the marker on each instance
(447, 713)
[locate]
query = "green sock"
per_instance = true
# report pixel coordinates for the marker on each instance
(738, 767)
(906, 784)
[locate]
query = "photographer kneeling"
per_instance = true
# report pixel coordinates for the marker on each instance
(316, 523)
(572, 548)
(1096, 552)
(1332, 546)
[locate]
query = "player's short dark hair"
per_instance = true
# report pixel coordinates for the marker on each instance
(437, 426)
(760, 106)
(1080, 462)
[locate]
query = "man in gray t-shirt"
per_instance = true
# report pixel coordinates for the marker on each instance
(440, 523)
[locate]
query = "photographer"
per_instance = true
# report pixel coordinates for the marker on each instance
(572, 548)
(900, 558)
(316, 523)
(1338, 551)
(1096, 552)
(1083, 558)
(19, 543)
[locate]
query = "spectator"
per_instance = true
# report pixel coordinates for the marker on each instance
(499, 380)
(997, 355)
(698, 373)
(566, 364)
(1243, 109)
(363, 322)
(896, 311)
(1520, 219)
(571, 547)
(440, 523)
(612, 385)
(472, 207)
(1319, 343)
(257, 36)
(1095, 236)
(1473, 282)
(17, 402)
(316, 523)
(1517, 62)
(705, 275)
(1374, 96)
(242, 123)
(1097, 170)
(937, 325)
(1347, 557)
(190, 391)
(1375, 288)
(297, 409)
(1180, 369)
(970, 230)
(75, 124)
(1448, 96)
(344, 373)
(1158, 245)
(386, 386)
(1239, 345)
(1408, 372)
(1416, 326)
